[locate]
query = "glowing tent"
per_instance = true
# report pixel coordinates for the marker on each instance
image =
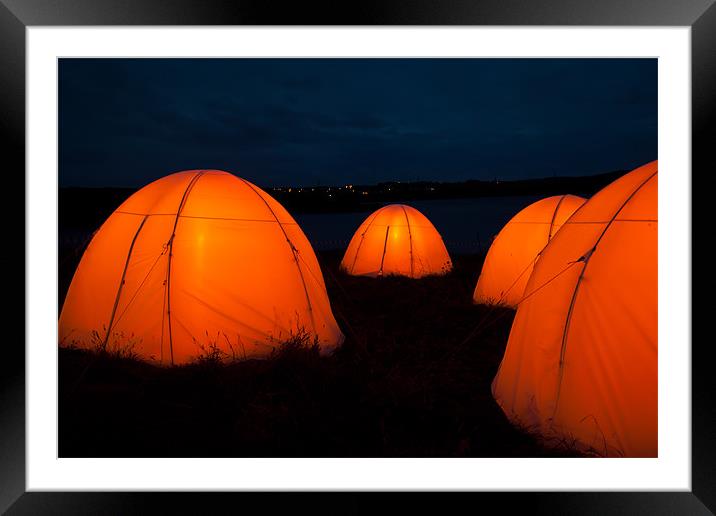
(197, 262)
(517, 246)
(581, 359)
(396, 239)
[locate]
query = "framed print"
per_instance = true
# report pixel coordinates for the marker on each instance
(405, 248)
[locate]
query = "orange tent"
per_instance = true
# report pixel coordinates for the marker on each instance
(396, 239)
(581, 359)
(517, 246)
(197, 262)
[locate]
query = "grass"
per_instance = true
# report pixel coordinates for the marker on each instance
(407, 382)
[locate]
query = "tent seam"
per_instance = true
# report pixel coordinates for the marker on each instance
(121, 282)
(362, 237)
(410, 236)
(587, 257)
(554, 216)
(385, 248)
(198, 217)
(170, 246)
(293, 252)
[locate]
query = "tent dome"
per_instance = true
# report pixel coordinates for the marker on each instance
(517, 246)
(198, 261)
(581, 359)
(396, 239)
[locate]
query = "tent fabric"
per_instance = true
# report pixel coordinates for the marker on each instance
(514, 251)
(581, 360)
(197, 262)
(396, 240)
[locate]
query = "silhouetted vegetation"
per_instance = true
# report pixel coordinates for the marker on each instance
(405, 383)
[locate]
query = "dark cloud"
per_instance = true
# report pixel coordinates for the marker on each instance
(125, 122)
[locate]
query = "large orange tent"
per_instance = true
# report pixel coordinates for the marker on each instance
(399, 240)
(197, 262)
(517, 246)
(581, 360)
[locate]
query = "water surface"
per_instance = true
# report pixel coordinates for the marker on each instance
(466, 225)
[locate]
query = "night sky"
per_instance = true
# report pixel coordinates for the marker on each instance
(126, 122)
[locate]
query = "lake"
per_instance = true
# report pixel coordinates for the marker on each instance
(466, 225)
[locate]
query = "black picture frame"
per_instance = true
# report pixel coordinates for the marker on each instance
(17, 15)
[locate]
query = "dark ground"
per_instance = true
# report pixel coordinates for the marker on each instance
(404, 384)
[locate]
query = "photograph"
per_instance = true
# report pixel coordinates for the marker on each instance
(337, 251)
(357, 257)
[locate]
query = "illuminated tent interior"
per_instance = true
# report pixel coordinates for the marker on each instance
(516, 248)
(581, 360)
(396, 240)
(198, 261)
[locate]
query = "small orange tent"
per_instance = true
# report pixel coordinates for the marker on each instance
(581, 359)
(396, 239)
(517, 246)
(197, 262)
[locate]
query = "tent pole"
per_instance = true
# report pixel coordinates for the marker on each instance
(362, 237)
(410, 236)
(554, 216)
(121, 283)
(385, 247)
(585, 258)
(294, 252)
(169, 260)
